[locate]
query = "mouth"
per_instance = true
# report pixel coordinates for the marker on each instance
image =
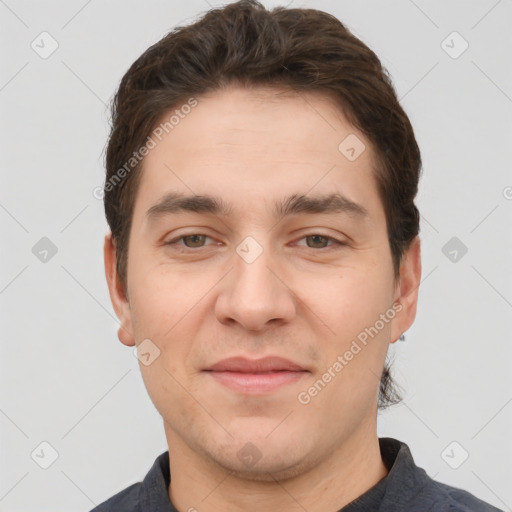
(256, 376)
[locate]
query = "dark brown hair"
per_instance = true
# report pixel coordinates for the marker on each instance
(243, 43)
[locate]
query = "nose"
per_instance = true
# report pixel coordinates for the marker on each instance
(254, 295)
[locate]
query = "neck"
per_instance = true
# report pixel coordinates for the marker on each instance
(350, 470)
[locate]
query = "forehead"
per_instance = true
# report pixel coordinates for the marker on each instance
(252, 145)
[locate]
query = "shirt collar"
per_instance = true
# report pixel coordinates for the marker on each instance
(399, 487)
(402, 483)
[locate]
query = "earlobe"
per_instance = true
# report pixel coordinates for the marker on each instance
(117, 294)
(125, 337)
(408, 288)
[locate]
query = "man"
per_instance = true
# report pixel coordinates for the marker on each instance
(263, 255)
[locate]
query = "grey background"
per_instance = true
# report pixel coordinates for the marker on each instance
(66, 379)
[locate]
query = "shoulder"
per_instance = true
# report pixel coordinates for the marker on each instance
(410, 488)
(445, 498)
(126, 500)
(150, 494)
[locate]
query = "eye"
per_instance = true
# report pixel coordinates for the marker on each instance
(193, 241)
(320, 241)
(197, 241)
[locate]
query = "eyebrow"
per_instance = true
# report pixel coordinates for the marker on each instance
(292, 205)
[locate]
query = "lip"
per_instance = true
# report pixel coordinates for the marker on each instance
(256, 376)
(264, 364)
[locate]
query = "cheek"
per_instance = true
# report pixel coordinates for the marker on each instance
(153, 310)
(168, 307)
(348, 301)
(160, 295)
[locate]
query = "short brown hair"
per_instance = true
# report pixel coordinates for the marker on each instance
(305, 50)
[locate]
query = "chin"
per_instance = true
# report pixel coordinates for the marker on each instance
(264, 470)
(262, 458)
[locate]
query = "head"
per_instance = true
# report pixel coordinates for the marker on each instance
(283, 127)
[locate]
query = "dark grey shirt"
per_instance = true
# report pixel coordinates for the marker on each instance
(406, 488)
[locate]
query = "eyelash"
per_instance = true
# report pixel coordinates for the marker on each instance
(335, 243)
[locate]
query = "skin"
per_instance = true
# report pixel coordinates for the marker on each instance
(303, 299)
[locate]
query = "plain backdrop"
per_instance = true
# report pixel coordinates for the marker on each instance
(67, 382)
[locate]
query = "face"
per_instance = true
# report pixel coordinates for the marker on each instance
(268, 296)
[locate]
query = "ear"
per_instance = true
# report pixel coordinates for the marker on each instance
(407, 290)
(117, 293)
